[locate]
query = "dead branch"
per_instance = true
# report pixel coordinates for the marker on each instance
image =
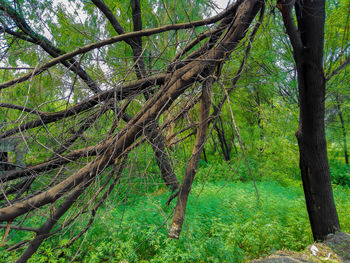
(110, 41)
(117, 94)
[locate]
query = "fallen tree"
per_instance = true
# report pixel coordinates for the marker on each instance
(20, 197)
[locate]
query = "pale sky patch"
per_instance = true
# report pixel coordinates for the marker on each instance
(222, 4)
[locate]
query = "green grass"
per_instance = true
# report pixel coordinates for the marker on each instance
(224, 223)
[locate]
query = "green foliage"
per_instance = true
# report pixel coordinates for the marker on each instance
(224, 223)
(340, 173)
(235, 170)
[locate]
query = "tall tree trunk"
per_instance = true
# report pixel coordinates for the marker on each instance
(225, 147)
(307, 43)
(192, 166)
(3, 161)
(157, 139)
(345, 147)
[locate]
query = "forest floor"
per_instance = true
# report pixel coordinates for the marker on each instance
(335, 249)
(225, 222)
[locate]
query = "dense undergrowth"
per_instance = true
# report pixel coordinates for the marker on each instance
(225, 222)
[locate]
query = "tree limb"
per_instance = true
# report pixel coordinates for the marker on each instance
(338, 69)
(192, 166)
(89, 47)
(119, 93)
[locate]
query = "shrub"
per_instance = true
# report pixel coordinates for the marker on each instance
(340, 173)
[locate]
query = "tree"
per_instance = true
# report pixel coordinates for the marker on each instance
(115, 79)
(307, 41)
(77, 161)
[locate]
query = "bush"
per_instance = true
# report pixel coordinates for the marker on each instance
(340, 173)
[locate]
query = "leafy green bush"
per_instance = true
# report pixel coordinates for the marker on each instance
(235, 170)
(340, 173)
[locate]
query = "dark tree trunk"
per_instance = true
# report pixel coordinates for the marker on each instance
(3, 161)
(307, 43)
(205, 155)
(163, 161)
(156, 139)
(345, 147)
(225, 147)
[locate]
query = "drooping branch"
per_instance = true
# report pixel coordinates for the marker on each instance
(214, 35)
(72, 156)
(21, 108)
(86, 125)
(16, 34)
(44, 230)
(338, 69)
(157, 140)
(85, 174)
(217, 108)
(53, 163)
(102, 199)
(24, 228)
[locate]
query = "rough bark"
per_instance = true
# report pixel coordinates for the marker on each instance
(307, 41)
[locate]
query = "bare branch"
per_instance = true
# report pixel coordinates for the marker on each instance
(338, 69)
(24, 228)
(192, 166)
(112, 40)
(21, 108)
(118, 93)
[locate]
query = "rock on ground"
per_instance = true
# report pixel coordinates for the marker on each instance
(335, 249)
